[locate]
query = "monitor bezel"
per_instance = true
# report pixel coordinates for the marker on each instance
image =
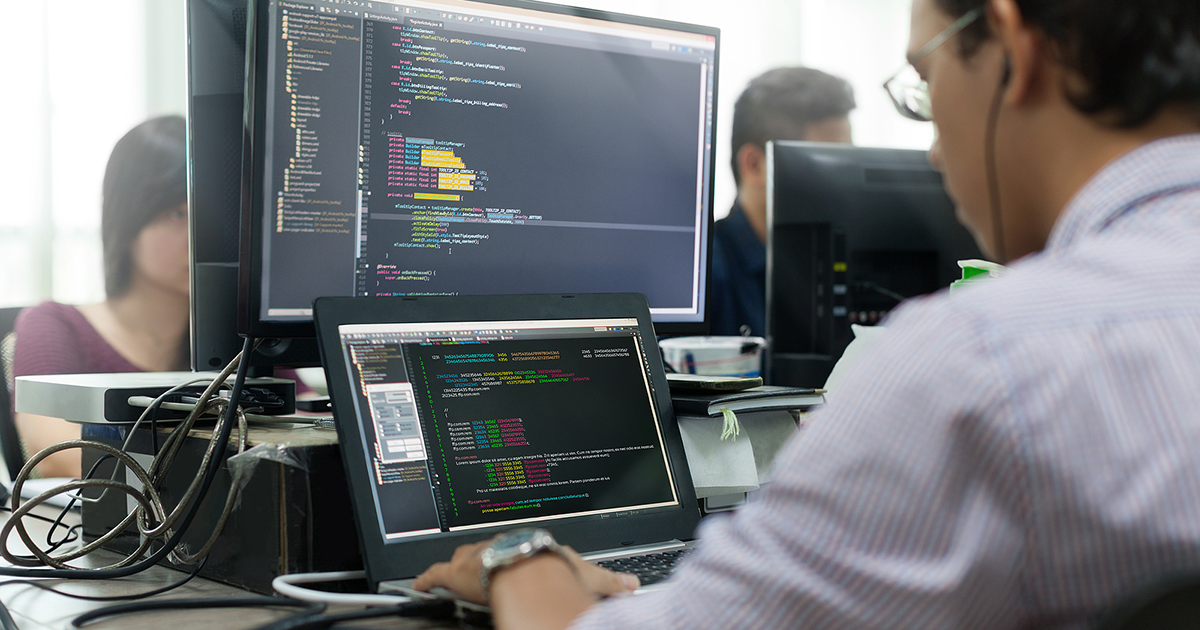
(213, 113)
(215, 81)
(254, 112)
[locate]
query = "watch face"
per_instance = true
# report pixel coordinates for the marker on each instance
(512, 547)
(515, 545)
(517, 541)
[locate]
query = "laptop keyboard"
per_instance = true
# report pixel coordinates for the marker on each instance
(649, 568)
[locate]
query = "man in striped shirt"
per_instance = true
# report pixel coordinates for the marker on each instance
(1020, 454)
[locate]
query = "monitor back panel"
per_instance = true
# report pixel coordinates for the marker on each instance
(851, 231)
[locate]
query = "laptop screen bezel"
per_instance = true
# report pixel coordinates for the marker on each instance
(398, 559)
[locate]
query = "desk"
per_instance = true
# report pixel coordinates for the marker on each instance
(293, 515)
(34, 608)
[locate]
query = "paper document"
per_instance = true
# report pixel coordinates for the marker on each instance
(740, 463)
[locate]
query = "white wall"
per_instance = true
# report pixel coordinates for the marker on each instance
(82, 72)
(78, 75)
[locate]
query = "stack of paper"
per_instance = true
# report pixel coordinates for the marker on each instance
(724, 461)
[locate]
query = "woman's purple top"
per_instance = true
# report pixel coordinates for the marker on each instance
(55, 338)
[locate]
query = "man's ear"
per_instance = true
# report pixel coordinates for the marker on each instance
(1024, 51)
(752, 165)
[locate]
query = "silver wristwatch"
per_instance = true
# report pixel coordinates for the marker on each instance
(512, 547)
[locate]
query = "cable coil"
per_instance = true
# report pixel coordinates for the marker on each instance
(154, 523)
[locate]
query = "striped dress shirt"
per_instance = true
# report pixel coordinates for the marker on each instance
(1020, 454)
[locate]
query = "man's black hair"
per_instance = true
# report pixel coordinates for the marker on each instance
(1134, 56)
(781, 103)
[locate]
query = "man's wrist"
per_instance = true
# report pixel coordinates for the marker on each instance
(546, 577)
(543, 564)
(535, 560)
(511, 548)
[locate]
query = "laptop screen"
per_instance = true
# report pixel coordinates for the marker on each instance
(495, 423)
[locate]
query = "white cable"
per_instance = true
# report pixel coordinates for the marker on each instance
(286, 585)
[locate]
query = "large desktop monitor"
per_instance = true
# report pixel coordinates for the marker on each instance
(420, 147)
(851, 232)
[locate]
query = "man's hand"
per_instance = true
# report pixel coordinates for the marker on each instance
(461, 574)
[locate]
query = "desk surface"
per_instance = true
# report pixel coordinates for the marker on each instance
(33, 608)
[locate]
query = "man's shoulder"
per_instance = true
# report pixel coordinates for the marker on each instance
(1124, 278)
(724, 245)
(733, 223)
(726, 228)
(1059, 320)
(734, 242)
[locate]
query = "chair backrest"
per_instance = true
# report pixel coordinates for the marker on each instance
(1168, 604)
(10, 441)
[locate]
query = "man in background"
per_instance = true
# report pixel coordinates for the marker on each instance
(780, 104)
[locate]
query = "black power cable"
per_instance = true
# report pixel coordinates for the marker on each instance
(72, 534)
(6, 620)
(113, 598)
(431, 609)
(993, 178)
(866, 285)
(310, 608)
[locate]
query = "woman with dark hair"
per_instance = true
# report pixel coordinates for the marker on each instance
(143, 323)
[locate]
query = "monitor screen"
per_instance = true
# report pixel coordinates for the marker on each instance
(852, 231)
(407, 148)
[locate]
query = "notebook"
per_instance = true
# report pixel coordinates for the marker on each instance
(462, 416)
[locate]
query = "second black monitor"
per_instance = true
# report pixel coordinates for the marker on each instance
(852, 232)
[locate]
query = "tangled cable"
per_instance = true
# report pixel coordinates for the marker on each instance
(154, 523)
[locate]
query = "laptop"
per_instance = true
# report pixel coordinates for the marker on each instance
(459, 417)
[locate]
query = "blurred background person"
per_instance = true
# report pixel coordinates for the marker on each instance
(143, 323)
(793, 103)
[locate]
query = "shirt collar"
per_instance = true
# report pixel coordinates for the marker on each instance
(1153, 169)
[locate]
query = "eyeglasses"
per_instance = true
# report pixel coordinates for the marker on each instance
(909, 92)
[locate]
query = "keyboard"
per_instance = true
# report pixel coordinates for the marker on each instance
(649, 568)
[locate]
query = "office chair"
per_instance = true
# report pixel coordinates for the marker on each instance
(1170, 604)
(10, 442)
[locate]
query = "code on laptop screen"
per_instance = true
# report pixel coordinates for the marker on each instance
(484, 424)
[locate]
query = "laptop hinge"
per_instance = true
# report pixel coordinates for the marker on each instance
(608, 554)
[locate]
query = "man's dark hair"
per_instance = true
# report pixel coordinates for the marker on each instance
(146, 174)
(781, 103)
(1134, 56)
